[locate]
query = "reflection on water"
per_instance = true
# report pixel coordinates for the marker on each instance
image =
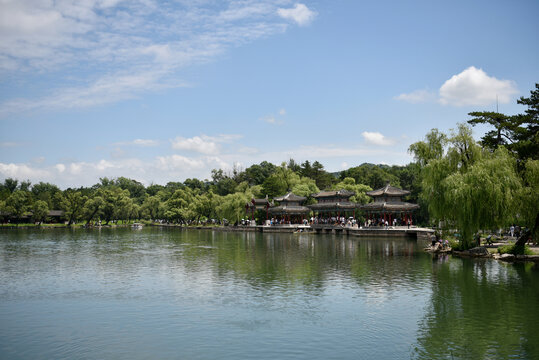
(481, 310)
(159, 293)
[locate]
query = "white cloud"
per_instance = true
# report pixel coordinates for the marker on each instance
(104, 91)
(376, 138)
(270, 119)
(473, 87)
(21, 171)
(139, 142)
(197, 144)
(178, 162)
(176, 167)
(60, 167)
(124, 50)
(300, 14)
(416, 97)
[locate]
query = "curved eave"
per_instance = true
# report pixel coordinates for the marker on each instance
(389, 207)
(290, 197)
(345, 194)
(388, 190)
(290, 210)
(334, 206)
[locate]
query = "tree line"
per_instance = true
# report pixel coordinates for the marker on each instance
(193, 200)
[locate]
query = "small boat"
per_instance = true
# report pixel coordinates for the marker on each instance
(137, 226)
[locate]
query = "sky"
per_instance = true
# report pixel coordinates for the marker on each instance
(161, 91)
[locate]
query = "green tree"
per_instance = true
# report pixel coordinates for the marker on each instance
(204, 206)
(257, 174)
(40, 210)
(280, 182)
(431, 149)
(350, 184)
(11, 184)
(501, 123)
(46, 192)
(305, 187)
(114, 200)
(375, 176)
(232, 206)
(520, 133)
(152, 208)
(528, 200)
(93, 207)
(470, 189)
(177, 206)
(136, 190)
(323, 179)
(195, 184)
(18, 203)
(72, 202)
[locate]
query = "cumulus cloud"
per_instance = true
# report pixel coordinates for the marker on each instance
(416, 97)
(471, 87)
(474, 87)
(376, 138)
(175, 162)
(300, 14)
(21, 171)
(208, 145)
(60, 167)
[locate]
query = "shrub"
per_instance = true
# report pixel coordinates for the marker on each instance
(512, 249)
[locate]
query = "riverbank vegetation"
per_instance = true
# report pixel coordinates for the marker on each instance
(460, 184)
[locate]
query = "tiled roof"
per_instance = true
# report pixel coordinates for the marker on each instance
(344, 205)
(334, 193)
(389, 206)
(290, 197)
(286, 209)
(388, 190)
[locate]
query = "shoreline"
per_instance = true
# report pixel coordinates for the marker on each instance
(401, 232)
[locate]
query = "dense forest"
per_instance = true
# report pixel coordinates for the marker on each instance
(458, 182)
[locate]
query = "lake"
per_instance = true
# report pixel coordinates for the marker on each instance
(187, 294)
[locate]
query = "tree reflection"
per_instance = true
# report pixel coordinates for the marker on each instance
(481, 309)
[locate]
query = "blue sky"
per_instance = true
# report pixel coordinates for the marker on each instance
(162, 91)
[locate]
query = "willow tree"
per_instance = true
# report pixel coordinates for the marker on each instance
(470, 188)
(528, 209)
(360, 190)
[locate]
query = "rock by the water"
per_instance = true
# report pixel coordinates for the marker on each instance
(480, 250)
(507, 257)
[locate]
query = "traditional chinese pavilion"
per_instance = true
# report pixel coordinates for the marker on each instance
(335, 202)
(290, 207)
(258, 204)
(389, 205)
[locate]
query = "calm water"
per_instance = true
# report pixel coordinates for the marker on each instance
(172, 294)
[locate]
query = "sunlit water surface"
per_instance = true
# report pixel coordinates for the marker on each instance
(178, 294)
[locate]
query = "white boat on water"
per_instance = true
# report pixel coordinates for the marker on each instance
(137, 226)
